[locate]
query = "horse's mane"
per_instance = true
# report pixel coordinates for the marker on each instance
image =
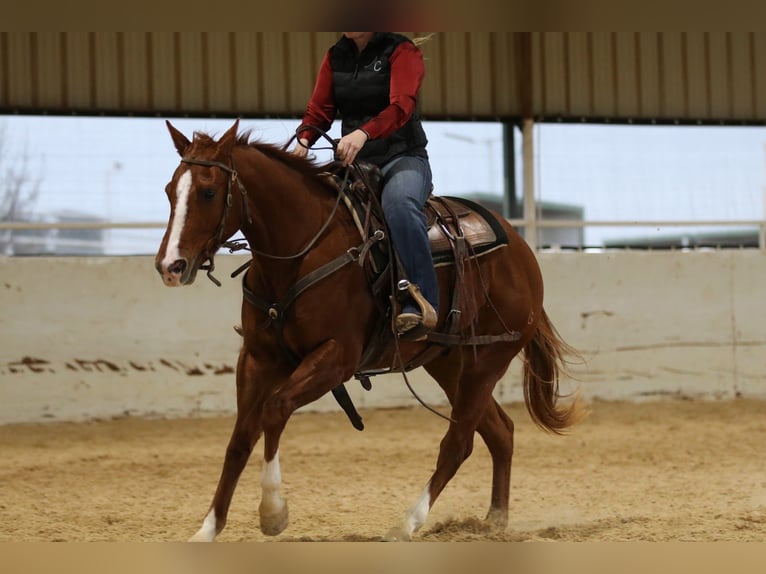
(302, 165)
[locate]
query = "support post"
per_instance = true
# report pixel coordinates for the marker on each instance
(530, 213)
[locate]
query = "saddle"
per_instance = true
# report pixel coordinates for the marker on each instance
(458, 230)
(448, 218)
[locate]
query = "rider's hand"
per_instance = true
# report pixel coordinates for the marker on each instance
(349, 145)
(301, 148)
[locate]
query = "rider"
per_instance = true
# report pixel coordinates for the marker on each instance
(372, 79)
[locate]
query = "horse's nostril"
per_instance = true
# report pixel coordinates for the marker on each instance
(178, 266)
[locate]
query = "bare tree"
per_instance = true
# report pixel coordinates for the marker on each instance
(19, 189)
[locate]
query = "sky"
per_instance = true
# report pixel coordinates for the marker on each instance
(117, 168)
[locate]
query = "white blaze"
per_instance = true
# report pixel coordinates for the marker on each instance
(172, 254)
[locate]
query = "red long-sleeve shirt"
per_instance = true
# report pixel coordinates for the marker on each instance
(407, 71)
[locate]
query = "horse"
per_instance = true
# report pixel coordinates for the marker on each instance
(287, 209)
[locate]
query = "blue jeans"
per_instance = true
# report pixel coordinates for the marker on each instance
(406, 187)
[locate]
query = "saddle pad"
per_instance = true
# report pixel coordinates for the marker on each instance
(480, 227)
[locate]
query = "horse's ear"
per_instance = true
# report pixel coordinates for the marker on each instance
(228, 139)
(179, 140)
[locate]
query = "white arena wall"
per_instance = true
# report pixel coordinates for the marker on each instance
(89, 338)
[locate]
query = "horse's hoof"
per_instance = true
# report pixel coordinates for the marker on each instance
(208, 530)
(201, 537)
(273, 523)
(397, 534)
(497, 519)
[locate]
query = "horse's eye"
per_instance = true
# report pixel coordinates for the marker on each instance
(207, 193)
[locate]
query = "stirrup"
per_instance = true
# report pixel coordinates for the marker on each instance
(415, 326)
(415, 332)
(427, 312)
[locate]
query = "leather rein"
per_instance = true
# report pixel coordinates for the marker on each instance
(217, 241)
(275, 310)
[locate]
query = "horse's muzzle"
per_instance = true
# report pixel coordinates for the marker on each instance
(173, 275)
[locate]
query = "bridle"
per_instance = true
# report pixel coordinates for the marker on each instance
(217, 239)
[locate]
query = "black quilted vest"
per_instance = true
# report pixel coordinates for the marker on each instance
(361, 85)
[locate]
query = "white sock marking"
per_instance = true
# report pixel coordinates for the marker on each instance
(271, 480)
(172, 254)
(417, 515)
(207, 532)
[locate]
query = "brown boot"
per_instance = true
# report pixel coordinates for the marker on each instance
(410, 327)
(414, 326)
(407, 321)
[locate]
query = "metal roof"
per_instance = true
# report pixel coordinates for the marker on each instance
(589, 76)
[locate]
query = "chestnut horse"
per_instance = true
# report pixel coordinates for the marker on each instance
(284, 206)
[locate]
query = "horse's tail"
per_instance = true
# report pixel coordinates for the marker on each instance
(545, 356)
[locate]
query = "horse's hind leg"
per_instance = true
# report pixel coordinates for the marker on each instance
(468, 381)
(496, 429)
(247, 430)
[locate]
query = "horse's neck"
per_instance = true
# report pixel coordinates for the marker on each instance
(287, 208)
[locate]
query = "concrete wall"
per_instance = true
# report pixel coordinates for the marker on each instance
(84, 338)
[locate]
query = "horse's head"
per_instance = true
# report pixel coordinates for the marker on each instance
(201, 213)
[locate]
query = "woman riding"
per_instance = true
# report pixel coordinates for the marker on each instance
(372, 79)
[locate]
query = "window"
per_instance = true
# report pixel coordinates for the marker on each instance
(93, 185)
(627, 175)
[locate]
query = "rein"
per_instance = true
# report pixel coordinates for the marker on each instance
(275, 311)
(218, 239)
(316, 237)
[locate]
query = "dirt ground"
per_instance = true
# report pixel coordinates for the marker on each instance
(674, 470)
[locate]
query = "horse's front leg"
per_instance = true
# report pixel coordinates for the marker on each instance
(251, 391)
(319, 372)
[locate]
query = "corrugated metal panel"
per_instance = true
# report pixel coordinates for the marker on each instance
(590, 75)
(469, 74)
(247, 56)
(78, 81)
(221, 77)
(455, 75)
(602, 69)
(628, 78)
(50, 67)
(191, 71)
(162, 71)
(739, 62)
(504, 71)
(695, 80)
(19, 67)
(433, 92)
(685, 76)
(757, 65)
(672, 63)
(648, 74)
(272, 72)
(106, 71)
(301, 69)
(134, 61)
(580, 73)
